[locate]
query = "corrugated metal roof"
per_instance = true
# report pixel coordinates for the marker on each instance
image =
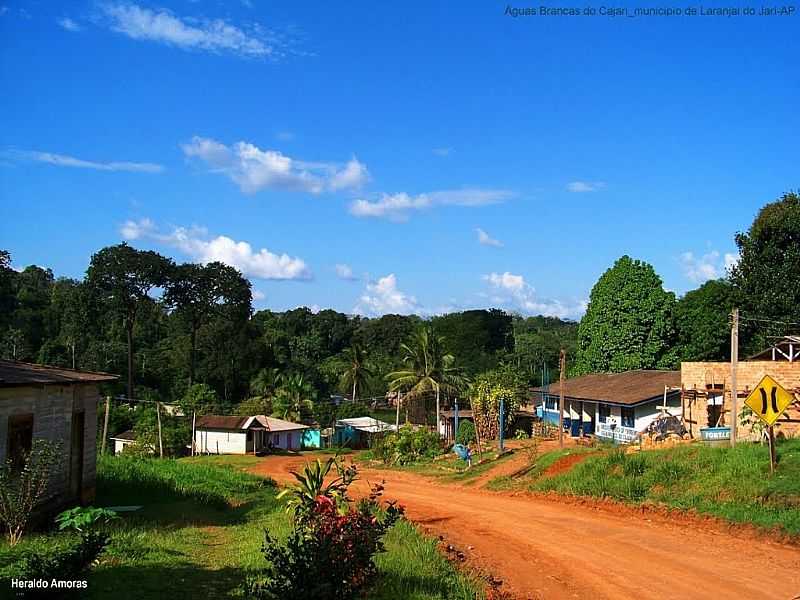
(234, 422)
(367, 424)
(630, 387)
(16, 373)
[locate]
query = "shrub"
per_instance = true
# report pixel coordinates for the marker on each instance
(21, 490)
(408, 445)
(84, 518)
(330, 552)
(466, 433)
(51, 557)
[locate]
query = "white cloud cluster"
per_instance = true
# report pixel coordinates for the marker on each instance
(699, 269)
(253, 169)
(69, 24)
(345, 271)
(585, 186)
(196, 243)
(484, 239)
(397, 207)
(63, 160)
(514, 291)
(210, 35)
(382, 297)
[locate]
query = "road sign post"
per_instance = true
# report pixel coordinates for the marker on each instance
(769, 401)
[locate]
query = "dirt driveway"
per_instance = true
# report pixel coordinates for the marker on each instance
(542, 548)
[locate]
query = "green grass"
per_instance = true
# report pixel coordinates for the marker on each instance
(543, 462)
(448, 467)
(200, 531)
(730, 483)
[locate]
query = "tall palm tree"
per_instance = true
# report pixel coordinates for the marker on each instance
(293, 398)
(429, 368)
(265, 382)
(356, 372)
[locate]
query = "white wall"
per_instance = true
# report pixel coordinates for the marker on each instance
(287, 440)
(220, 441)
(119, 445)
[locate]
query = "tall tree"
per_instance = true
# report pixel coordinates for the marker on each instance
(356, 371)
(294, 399)
(195, 292)
(701, 321)
(628, 323)
(123, 277)
(428, 369)
(768, 271)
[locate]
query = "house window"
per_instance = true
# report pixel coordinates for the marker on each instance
(604, 412)
(20, 440)
(550, 403)
(628, 417)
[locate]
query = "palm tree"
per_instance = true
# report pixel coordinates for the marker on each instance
(356, 372)
(265, 382)
(293, 398)
(429, 368)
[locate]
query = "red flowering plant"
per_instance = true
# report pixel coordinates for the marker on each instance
(330, 552)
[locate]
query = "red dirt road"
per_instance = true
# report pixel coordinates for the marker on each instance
(546, 549)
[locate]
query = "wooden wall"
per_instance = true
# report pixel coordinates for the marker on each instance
(52, 407)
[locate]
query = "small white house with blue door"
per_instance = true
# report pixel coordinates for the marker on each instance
(615, 406)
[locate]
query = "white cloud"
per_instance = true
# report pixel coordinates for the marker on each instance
(210, 35)
(585, 186)
(258, 295)
(486, 240)
(397, 207)
(442, 151)
(253, 169)
(514, 291)
(69, 24)
(711, 265)
(62, 160)
(344, 271)
(383, 297)
(196, 243)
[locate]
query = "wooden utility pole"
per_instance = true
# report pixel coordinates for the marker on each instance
(397, 417)
(562, 361)
(194, 420)
(734, 365)
(771, 432)
(105, 426)
(160, 444)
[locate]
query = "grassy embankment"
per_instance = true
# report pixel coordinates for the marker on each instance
(733, 484)
(447, 467)
(200, 530)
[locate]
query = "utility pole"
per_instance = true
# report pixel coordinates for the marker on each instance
(397, 417)
(734, 365)
(105, 426)
(562, 361)
(160, 443)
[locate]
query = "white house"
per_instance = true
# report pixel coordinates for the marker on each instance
(615, 406)
(215, 434)
(122, 440)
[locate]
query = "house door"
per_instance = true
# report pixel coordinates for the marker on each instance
(76, 455)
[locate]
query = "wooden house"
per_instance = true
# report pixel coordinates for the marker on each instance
(59, 405)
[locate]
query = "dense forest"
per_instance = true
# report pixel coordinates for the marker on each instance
(167, 328)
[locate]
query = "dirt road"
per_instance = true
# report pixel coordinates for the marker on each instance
(545, 549)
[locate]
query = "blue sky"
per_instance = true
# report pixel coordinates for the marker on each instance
(417, 157)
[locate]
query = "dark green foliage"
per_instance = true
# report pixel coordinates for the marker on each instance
(85, 518)
(702, 321)
(466, 433)
(537, 343)
(62, 556)
(768, 272)
(407, 446)
(628, 323)
(476, 337)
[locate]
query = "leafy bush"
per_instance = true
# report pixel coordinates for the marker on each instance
(84, 518)
(408, 445)
(47, 557)
(466, 433)
(21, 489)
(330, 552)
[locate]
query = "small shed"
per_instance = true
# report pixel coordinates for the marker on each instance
(59, 405)
(219, 434)
(359, 432)
(122, 440)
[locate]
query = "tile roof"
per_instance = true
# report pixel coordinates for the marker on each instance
(630, 387)
(15, 373)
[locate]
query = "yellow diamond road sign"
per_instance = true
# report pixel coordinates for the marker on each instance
(768, 400)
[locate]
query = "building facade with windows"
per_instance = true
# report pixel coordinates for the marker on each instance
(219, 434)
(59, 406)
(614, 406)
